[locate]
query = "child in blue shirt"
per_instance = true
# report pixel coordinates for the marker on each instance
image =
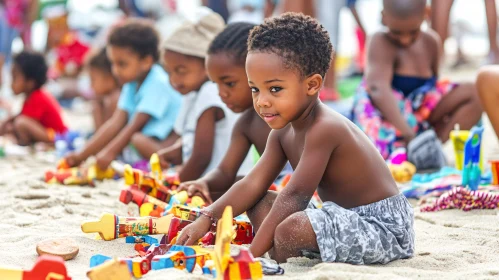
(148, 105)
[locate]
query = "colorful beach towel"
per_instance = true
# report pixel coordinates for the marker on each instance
(416, 108)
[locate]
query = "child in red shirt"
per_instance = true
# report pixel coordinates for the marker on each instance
(40, 118)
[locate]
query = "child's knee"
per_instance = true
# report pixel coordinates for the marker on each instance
(291, 229)
(487, 78)
(20, 122)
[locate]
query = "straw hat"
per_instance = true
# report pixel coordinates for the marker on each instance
(194, 36)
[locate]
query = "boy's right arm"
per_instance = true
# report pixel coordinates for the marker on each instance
(220, 179)
(379, 74)
(244, 194)
(102, 137)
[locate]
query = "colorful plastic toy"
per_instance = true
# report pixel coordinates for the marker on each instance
(402, 172)
(111, 226)
(110, 270)
(78, 175)
(136, 196)
(494, 166)
(471, 167)
(242, 266)
(46, 267)
(180, 257)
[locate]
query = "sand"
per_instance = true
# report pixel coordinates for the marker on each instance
(450, 244)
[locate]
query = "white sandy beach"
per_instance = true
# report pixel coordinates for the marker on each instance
(449, 244)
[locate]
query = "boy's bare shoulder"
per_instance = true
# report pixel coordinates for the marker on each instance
(328, 125)
(380, 40)
(380, 46)
(431, 38)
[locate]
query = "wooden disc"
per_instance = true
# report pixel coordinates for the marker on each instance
(62, 247)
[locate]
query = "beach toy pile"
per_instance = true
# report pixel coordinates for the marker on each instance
(154, 255)
(165, 212)
(464, 187)
(80, 176)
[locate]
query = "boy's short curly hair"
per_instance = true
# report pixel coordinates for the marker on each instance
(33, 67)
(301, 40)
(138, 35)
(233, 40)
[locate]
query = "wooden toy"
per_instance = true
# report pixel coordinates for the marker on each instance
(179, 257)
(141, 239)
(111, 226)
(243, 266)
(136, 196)
(46, 267)
(110, 270)
(137, 265)
(65, 248)
(185, 212)
(176, 225)
(225, 231)
(78, 175)
(156, 171)
(244, 233)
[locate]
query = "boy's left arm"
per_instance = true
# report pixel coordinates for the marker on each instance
(109, 153)
(300, 189)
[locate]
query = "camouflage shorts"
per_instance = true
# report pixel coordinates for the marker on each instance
(379, 232)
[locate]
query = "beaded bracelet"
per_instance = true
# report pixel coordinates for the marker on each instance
(208, 214)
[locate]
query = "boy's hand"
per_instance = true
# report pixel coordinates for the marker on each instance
(104, 159)
(73, 159)
(193, 232)
(199, 188)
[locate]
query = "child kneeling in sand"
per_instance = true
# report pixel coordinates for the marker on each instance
(364, 219)
(401, 96)
(40, 118)
(147, 107)
(225, 64)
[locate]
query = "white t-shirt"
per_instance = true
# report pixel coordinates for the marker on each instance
(194, 104)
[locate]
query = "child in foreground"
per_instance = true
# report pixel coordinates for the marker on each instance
(364, 219)
(205, 123)
(401, 96)
(148, 105)
(225, 64)
(40, 118)
(104, 85)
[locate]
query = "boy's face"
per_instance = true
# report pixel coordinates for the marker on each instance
(19, 82)
(102, 82)
(402, 31)
(231, 80)
(127, 65)
(280, 94)
(187, 73)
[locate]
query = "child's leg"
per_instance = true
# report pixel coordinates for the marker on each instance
(440, 13)
(461, 106)
(28, 131)
(488, 90)
(292, 236)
